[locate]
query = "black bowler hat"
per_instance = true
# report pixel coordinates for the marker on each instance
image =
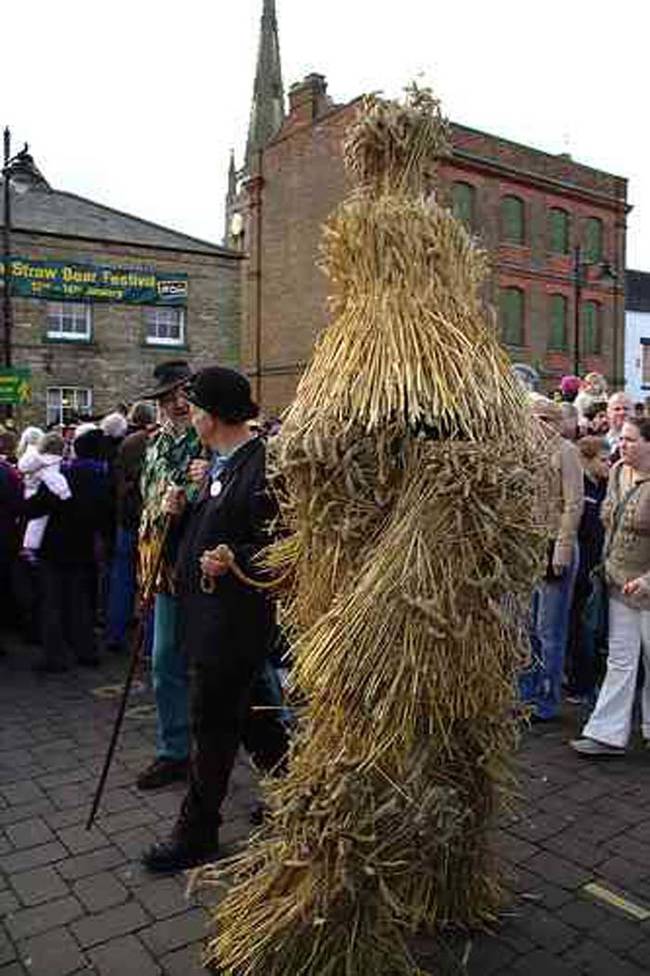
(222, 392)
(168, 375)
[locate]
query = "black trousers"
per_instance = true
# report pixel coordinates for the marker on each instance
(67, 612)
(226, 687)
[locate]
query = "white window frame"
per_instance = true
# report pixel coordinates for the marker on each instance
(152, 313)
(57, 310)
(74, 395)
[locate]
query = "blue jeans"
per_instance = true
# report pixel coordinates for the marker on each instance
(541, 684)
(170, 681)
(121, 594)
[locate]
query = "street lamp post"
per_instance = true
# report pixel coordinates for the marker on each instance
(580, 279)
(7, 310)
(19, 171)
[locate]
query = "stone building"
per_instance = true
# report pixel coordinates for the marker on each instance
(540, 216)
(99, 297)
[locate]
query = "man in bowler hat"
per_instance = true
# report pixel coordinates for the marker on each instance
(227, 623)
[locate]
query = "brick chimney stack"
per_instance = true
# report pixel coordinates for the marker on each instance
(308, 99)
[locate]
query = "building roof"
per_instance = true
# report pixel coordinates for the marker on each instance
(42, 210)
(637, 291)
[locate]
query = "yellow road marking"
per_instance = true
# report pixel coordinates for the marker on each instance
(114, 691)
(601, 893)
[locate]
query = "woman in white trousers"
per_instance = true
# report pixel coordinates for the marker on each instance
(626, 514)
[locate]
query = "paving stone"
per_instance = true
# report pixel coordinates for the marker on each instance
(124, 957)
(24, 811)
(31, 921)
(39, 885)
(558, 870)
(7, 951)
(593, 958)
(546, 930)
(583, 915)
(488, 956)
(25, 791)
(58, 819)
(162, 897)
(29, 833)
(540, 963)
(115, 921)
(72, 795)
(133, 842)
(84, 864)
(619, 934)
(185, 962)
(100, 891)
(8, 902)
(13, 969)
(78, 840)
(128, 820)
(33, 857)
(175, 932)
(54, 953)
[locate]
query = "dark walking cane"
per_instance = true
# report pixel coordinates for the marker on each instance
(145, 605)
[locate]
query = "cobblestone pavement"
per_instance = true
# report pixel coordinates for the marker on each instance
(75, 902)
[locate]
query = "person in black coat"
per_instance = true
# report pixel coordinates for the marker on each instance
(67, 555)
(226, 624)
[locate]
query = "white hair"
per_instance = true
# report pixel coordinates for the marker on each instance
(114, 425)
(30, 435)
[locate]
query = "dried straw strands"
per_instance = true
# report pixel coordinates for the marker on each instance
(410, 484)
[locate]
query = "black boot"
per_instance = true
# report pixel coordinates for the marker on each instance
(190, 844)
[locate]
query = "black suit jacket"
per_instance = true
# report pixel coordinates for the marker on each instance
(236, 618)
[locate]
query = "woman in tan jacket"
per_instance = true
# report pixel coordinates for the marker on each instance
(626, 514)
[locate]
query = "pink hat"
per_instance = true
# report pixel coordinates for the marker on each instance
(570, 384)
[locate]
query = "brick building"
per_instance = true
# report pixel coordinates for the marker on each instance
(99, 297)
(530, 209)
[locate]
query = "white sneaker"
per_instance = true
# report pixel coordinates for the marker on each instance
(592, 747)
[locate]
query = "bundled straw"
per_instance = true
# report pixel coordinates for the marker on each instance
(411, 483)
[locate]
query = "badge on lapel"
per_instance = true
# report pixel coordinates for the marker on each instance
(215, 488)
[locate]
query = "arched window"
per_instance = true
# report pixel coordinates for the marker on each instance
(592, 328)
(512, 220)
(593, 239)
(463, 197)
(557, 334)
(558, 231)
(511, 308)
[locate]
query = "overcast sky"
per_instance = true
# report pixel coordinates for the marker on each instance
(136, 103)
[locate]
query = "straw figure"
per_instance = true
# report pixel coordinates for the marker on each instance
(410, 481)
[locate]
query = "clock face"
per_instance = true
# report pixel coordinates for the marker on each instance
(236, 225)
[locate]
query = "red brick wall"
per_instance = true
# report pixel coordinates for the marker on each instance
(303, 180)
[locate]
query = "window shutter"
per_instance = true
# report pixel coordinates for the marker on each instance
(512, 220)
(558, 231)
(558, 317)
(463, 203)
(591, 328)
(511, 301)
(593, 239)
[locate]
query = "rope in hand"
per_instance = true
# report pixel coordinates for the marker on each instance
(225, 555)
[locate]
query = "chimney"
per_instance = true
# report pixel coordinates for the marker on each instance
(308, 99)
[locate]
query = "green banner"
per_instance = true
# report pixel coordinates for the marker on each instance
(14, 385)
(70, 281)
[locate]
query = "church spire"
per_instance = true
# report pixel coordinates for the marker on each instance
(267, 110)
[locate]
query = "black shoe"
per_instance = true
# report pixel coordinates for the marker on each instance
(174, 855)
(162, 772)
(50, 667)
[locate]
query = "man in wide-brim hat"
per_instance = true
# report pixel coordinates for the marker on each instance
(227, 623)
(168, 460)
